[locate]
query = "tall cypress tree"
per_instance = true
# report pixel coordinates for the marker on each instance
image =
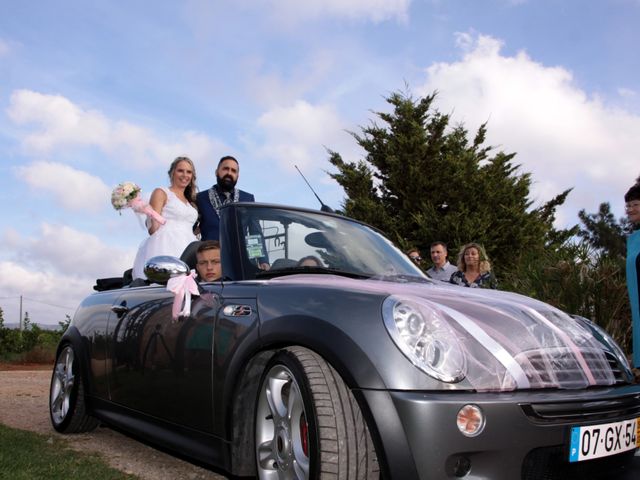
(423, 179)
(604, 232)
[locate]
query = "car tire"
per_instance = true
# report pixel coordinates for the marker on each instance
(67, 404)
(308, 423)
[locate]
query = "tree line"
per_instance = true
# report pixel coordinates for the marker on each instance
(423, 179)
(32, 344)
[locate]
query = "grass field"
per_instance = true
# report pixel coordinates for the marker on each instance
(27, 456)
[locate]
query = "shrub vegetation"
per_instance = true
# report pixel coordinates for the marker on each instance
(32, 344)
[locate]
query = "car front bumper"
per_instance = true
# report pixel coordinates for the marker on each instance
(526, 434)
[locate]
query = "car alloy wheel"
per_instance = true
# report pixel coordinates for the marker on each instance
(61, 385)
(308, 422)
(282, 442)
(67, 406)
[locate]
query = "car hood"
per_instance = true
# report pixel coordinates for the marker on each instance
(510, 341)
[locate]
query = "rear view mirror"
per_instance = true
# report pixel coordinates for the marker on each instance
(318, 240)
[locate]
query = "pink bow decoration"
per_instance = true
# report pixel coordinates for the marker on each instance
(182, 287)
(140, 206)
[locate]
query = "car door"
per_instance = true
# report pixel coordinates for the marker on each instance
(162, 367)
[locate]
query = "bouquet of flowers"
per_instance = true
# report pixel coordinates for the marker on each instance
(127, 195)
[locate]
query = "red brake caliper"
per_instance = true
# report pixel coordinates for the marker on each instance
(304, 435)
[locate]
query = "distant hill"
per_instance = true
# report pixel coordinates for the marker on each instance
(43, 326)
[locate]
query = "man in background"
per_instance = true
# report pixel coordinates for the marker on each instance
(442, 269)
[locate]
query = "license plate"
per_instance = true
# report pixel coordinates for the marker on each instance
(597, 441)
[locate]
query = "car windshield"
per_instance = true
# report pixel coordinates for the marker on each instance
(293, 241)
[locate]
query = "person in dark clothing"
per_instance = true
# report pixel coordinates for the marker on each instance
(224, 191)
(474, 269)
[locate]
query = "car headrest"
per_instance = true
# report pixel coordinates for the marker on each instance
(189, 254)
(283, 263)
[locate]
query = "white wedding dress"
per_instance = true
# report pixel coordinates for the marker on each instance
(172, 237)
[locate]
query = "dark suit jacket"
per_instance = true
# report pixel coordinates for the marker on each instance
(209, 220)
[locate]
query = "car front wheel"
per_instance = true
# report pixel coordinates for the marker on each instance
(308, 424)
(67, 406)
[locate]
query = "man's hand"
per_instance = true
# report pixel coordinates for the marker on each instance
(264, 266)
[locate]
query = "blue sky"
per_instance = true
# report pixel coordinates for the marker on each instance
(95, 93)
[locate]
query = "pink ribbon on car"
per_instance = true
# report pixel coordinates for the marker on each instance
(140, 206)
(182, 287)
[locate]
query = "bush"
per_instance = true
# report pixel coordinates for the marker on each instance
(32, 344)
(581, 281)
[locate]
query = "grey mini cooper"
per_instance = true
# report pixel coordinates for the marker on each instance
(344, 361)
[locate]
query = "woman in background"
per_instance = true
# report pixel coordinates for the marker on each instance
(310, 261)
(632, 207)
(176, 205)
(474, 269)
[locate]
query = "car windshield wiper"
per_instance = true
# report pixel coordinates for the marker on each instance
(277, 272)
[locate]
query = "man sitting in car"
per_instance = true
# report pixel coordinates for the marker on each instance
(208, 261)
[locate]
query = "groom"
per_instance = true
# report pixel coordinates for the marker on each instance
(223, 192)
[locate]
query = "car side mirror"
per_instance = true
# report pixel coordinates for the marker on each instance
(163, 267)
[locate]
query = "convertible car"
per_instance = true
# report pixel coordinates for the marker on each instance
(343, 360)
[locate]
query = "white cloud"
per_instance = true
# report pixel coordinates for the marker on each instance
(57, 267)
(269, 87)
(298, 134)
(55, 122)
(562, 135)
(62, 122)
(43, 293)
(291, 11)
(72, 252)
(10, 238)
(74, 189)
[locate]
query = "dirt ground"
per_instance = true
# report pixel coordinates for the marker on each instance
(24, 396)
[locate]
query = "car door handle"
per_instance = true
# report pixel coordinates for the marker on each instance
(119, 309)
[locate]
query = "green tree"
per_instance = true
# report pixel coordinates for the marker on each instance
(603, 232)
(422, 180)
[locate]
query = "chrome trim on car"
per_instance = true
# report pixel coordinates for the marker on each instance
(237, 310)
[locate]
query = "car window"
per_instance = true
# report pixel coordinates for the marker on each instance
(283, 238)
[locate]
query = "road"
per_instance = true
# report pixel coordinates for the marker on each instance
(24, 405)
(24, 398)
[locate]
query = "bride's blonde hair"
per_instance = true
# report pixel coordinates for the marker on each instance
(192, 188)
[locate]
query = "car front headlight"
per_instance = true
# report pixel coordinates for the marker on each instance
(424, 335)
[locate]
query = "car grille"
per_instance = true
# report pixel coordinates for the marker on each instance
(569, 412)
(550, 463)
(615, 368)
(558, 367)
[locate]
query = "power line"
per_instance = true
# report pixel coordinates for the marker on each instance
(49, 304)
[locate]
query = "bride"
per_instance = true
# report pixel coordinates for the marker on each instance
(176, 205)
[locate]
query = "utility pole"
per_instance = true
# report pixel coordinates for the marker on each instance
(21, 326)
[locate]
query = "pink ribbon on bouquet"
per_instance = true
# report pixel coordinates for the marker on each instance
(182, 287)
(140, 206)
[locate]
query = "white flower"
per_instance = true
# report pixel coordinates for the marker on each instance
(123, 194)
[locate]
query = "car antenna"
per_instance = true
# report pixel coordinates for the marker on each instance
(323, 207)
